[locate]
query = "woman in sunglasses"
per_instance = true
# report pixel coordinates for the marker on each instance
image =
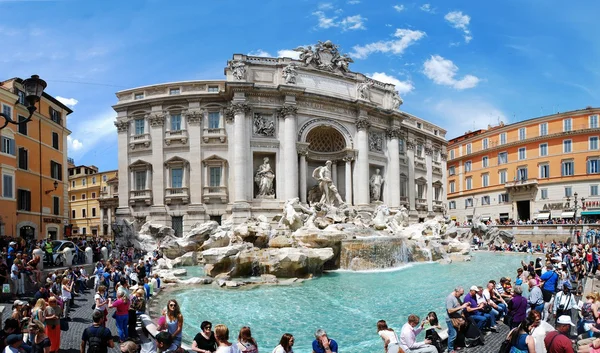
(40, 343)
(205, 341)
(174, 323)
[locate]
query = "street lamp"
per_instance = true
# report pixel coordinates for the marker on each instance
(55, 187)
(34, 88)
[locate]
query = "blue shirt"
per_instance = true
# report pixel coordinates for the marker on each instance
(317, 348)
(147, 289)
(11, 252)
(550, 279)
(473, 301)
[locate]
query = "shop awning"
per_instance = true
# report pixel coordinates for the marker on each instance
(453, 218)
(591, 213)
(543, 216)
(555, 214)
(567, 215)
(486, 218)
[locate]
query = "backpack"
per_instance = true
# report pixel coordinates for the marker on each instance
(96, 343)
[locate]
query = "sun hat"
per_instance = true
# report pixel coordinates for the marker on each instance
(564, 320)
(474, 288)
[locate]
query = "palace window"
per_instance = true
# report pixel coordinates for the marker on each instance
(544, 194)
(543, 149)
(174, 91)
(8, 145)
(140, 180)
(502, 158)
(484, 162)
(139, 126)
(593, 166)
(503, 198)
(23, 158)
(567, 146)
(567, 125)
(214, 120)
(522, 134)
(468, 166)
(544, 171)
(468, 202)
(452, 186)
(485, 200)
(502, 176)
(484, 143)
(56, 205)
(593, 145)
(593, 190)
(24, 200)
(543, 129)
(485, 180)
(568, 168)
(452, 205)
(8, 186)
(503, 138)
(522, 173)
(451, 154)
(55, 170)
(469, 149)
(568, 191)
(469, 182)
(451, 170)
(175, 122)
(138, 96)
(213, 89)
(22, 125)
(593, 120)
(522, 153)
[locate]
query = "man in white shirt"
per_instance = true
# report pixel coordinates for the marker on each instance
(13, 342)
(408, 337)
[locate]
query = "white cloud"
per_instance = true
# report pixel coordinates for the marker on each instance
(353, 2)
(324, 21)
(288, 53)
(69, 102)
(427, 8)
(460, 21)
(465, 115)
(348, 23)
(443, 71)
(74, 144)
(406, 37)
(402, 87)
(399, 8)
(325, 6)
(259, 52)
(353, 22)
(91, 134)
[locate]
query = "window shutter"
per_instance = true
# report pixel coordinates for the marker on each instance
(59, 171)
(28, 200)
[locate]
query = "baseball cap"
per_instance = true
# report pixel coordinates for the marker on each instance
(19, 302)
(14, 338)
(564, 320)
(474, 288)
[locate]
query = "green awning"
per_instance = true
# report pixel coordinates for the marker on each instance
(590, 213)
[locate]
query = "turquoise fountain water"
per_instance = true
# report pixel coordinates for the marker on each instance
(346, 304)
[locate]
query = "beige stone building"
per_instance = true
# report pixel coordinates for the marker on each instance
(192, 151)
(87, 187)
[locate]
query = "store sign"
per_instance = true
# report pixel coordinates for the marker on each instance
(52, 220)
(555, 206)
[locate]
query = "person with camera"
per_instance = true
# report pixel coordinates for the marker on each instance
(476, 311)
(564, 302)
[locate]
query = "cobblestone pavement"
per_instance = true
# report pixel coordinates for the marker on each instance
(81, 318)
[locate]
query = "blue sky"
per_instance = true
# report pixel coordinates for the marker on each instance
(460, 64)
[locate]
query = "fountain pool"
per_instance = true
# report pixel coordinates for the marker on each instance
(346, 304)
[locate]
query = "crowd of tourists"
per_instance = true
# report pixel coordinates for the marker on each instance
(541, 321)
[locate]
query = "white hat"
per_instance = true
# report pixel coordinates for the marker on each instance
(564, 320)
(474, 288)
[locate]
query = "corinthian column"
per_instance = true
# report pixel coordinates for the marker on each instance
(393, 183)
(361, 167)
(290, 154)
(194, 125)
(240, 152)
(157, 124)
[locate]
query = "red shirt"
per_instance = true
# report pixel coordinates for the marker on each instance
(561, 344)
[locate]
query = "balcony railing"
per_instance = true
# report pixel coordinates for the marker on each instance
(180, 136)
(140, 137)
(172, 194)
(214, 133)
(141, 196)
(521, 184)
(139, 140)
(215, 192)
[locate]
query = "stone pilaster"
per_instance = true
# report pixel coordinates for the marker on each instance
(157, 125)
(393, 172)
(410, 155)
(348, 197)
(361, 167)
(122, 141)
(194, 125)
(303, 170)
(240, 151)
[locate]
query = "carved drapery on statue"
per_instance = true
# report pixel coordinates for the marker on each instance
(329, 191)
(264, 179)
(325, 56)
(376, 182)
(238, 69)
(289, 74)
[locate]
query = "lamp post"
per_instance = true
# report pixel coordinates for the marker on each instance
(34, 88)
(55, 187)
(575, 208)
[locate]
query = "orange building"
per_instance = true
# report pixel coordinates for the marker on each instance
(530, 170)
(33, 166)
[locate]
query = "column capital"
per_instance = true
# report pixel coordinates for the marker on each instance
(194, 116)
(393, 133)
(157, 119)
(287, 110)
(122, 126)
(362, 124)
(410, 144)
(235, 108)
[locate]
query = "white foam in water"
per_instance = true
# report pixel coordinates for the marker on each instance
(383, 270)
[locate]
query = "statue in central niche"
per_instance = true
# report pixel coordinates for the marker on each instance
(328, 189)
(264, 179)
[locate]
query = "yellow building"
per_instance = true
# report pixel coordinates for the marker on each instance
(86, 186)
(33, 163)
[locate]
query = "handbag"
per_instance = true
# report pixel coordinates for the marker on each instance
(64, 325)
(505, 347)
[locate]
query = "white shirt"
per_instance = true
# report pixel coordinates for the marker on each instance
(10, 349)
(408, 337)
(231, 349)
(539, 333)
(14, 268)
(101, 307)
(389, 335)
(279, 349)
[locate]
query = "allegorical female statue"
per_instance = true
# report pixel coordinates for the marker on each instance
(264, 178)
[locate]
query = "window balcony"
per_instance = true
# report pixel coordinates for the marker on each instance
(139, 141)
(521, 185)
(218, 193)
(173, 195)
(214, 134)
(420, 204)
(438, 205)
(144, 196)
(420, 163)
(176, 136)
(404, 201)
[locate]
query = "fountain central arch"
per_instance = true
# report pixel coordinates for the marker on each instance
(323, 140)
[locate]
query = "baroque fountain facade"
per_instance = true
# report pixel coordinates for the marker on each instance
(287, 167)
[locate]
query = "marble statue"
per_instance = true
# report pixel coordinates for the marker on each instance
(402, 216)
(376, 183)
(291, 218)
(238, 69)
(329, 190)
(307, 55)
(289, 74)
(396, 101)
(342, 62)
(264, 178)
(314, 195)
(363, 90)
(375, 141)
